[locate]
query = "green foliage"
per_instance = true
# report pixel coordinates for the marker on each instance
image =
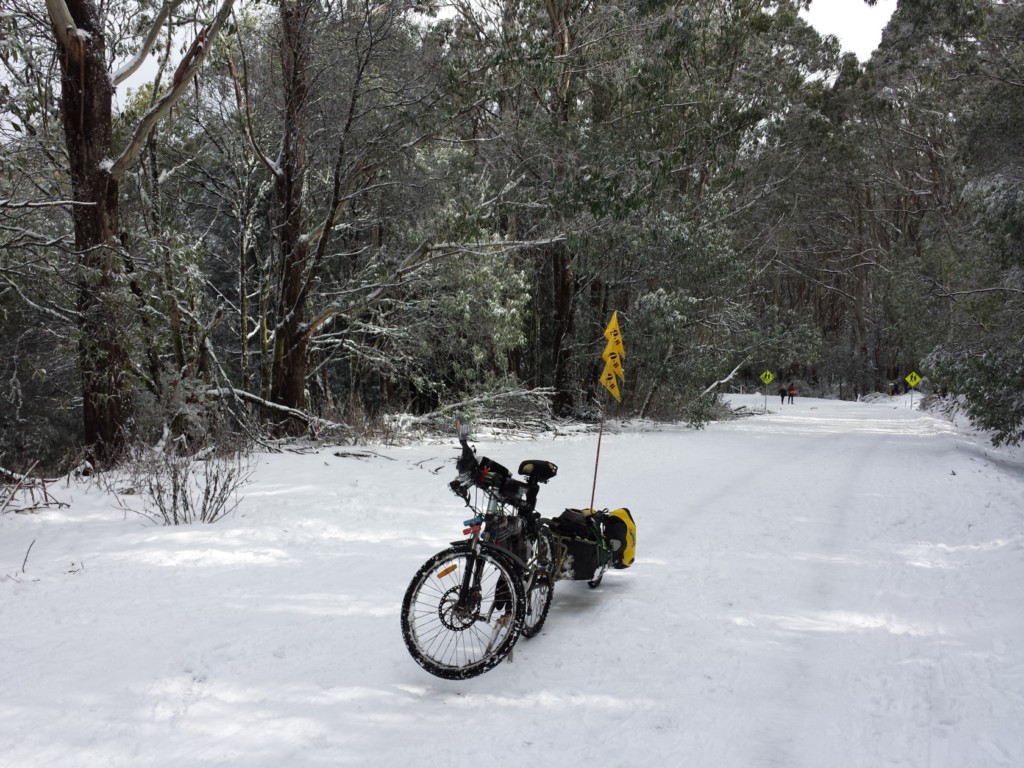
(39, 392)
(1000, 217)
(989, 377)
(979, 355)
(455, 333)
(744, 195)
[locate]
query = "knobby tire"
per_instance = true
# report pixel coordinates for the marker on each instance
(454, 645)
(542, 588)
(538, 603)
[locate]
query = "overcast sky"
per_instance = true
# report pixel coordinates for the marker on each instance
(857, 25)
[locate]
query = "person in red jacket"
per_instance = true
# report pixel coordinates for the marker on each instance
(792, 391)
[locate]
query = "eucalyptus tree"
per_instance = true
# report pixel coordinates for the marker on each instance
(620, 127)
(735, 69)
(36, 307)
(868, 202)
(346, 124)
(85, 39)
(917, 103)
(519, 69)
(824, 229)
(950, 70)
(979, 354)
(67, 260)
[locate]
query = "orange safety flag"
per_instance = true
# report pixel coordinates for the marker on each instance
(610, 382)
(614, 336)
(614, 359)
(614, 354)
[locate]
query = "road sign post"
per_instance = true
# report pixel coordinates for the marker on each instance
(767, 377)
(913, 379)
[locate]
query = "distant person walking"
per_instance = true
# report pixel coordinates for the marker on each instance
(782, 394)
(791, 392)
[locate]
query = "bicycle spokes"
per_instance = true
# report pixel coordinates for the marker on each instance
(462, 613)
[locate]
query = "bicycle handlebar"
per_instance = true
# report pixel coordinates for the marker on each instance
(468, 468)
(492, 478)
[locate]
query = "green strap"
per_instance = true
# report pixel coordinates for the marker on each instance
(603, 556)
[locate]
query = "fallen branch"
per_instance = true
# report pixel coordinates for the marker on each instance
(313, 422)
(25, 561)
(38, 493)
(533, 394)
(19, 482)
(8, 476)
(726, 380)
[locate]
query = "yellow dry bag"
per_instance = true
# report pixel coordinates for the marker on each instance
(620, 530)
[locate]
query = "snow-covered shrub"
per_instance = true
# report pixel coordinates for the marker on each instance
(991, 380)
(173, 489)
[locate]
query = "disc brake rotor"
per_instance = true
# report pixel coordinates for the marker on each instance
(458, 618)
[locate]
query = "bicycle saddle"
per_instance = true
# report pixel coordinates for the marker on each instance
(538, 470)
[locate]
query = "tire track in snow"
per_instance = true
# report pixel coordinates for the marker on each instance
(826, 621)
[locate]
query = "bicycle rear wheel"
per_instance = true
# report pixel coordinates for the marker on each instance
(538, 603)
(457, 638)
(542, 586)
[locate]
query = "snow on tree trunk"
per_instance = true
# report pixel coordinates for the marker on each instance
(288, 386)
(87, 95)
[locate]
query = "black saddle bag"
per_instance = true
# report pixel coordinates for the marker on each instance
(582, 548)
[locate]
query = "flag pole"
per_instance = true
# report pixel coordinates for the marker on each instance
(597, 460)
(613, 355)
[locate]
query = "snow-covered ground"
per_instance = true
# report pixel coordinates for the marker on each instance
(826, 585)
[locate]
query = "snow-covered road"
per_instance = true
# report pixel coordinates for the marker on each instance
(828, 585)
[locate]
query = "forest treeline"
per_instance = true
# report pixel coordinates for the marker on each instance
(318, 214)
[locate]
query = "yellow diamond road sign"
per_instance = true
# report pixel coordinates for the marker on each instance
(767, 377)
(913, 379)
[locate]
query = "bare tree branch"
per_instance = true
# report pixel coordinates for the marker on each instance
(70, 36)
(308, 419)
(411, 263)
(129, 67)
(15, 205)
(243, 107)
(183, 75)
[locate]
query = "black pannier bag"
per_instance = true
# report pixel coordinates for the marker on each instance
(582, 548)
(588, 541)
(574, 522)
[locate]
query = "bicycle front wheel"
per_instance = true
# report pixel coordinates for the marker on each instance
(454, 631)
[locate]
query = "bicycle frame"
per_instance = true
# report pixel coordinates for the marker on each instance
(497, 508)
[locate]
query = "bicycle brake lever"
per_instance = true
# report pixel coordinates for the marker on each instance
(459, 489)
